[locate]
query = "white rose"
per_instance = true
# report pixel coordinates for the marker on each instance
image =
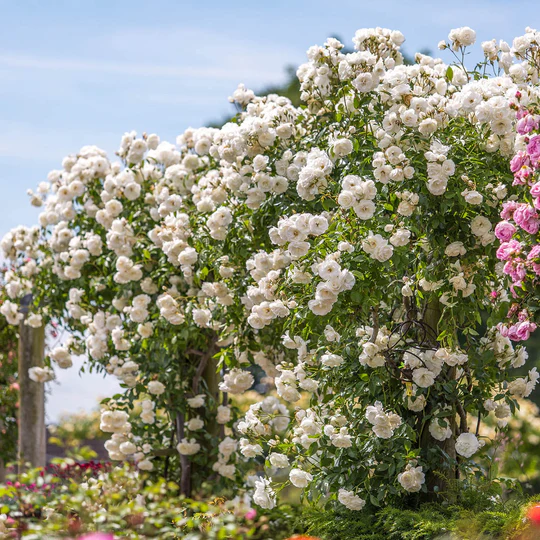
(480, 226)
(188, 448)
(342, 147)
(300, 478)
(264, 495)
(438, 432)
(467, 444)
(455, 249)
(411, 479)
(423, 377)
(279, 461)
(350, 500)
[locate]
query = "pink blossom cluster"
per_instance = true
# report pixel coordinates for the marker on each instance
(520, 223)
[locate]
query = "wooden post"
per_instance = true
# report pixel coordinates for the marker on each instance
(32, 437)
(440, 480)
(185, 463)
(2, 471)
(212, 378)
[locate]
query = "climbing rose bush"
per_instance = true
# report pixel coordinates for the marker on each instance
(382, 260)
(347, 248)
(519, 249)
(130, 260)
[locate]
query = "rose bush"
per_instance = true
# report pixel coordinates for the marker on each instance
(346, 247)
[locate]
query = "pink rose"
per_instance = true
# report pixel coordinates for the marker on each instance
(251, 514)
(534, 253)
(521, 331)
(96, 536)
(532, 259)
(516, 270)
(504, 231)
(503, 330)
(527, 124)
(535, 189)
(518, 161)
(533, 148)
(527, 218)
(509, 209)
(508, 249)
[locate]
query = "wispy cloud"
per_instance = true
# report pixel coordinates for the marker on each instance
(22, 61)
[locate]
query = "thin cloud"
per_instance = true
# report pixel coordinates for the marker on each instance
(21, 61)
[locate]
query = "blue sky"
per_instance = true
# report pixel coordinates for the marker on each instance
(84, 72)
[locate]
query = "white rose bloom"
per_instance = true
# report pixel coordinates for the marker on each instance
(34, 321)
(364, 209)
(62, 357)
(480, 226)
(264, 495)
(145, 465)
(331, 360)
(423, 377)
(197, 401)
(466, 36)
(188, 448)
(472, 197)
(330, 334)
(195, 424)
(236, 381)
(224, 414)
(342, 147)
(156, 388)
(438, 432)
(127, 448)
(279, 461)
(416, 403)
(250, 450)
(350, 500)
(455, 249)
(467, 444)
(300, 478)
(411, 479)
(41, 374)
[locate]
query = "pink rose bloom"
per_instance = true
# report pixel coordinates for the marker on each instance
(508, 209)
(527, 218)
(508, 249)
(516, 270)
(518, 161)
(527, 124)
(504, 231)
(534, 253)
(521, 331)
(503, 330)
(251, 514)
(536, 268)
(535, 189)
(522, 176)
(96, 536)
(533, 148)
(532, 258)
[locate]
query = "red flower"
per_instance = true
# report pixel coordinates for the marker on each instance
(534, 515)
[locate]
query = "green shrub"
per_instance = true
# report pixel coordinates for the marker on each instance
(430, 521)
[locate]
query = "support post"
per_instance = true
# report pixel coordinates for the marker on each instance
(32, 437)
(439, 480)
(211, 377)
(185, 463)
